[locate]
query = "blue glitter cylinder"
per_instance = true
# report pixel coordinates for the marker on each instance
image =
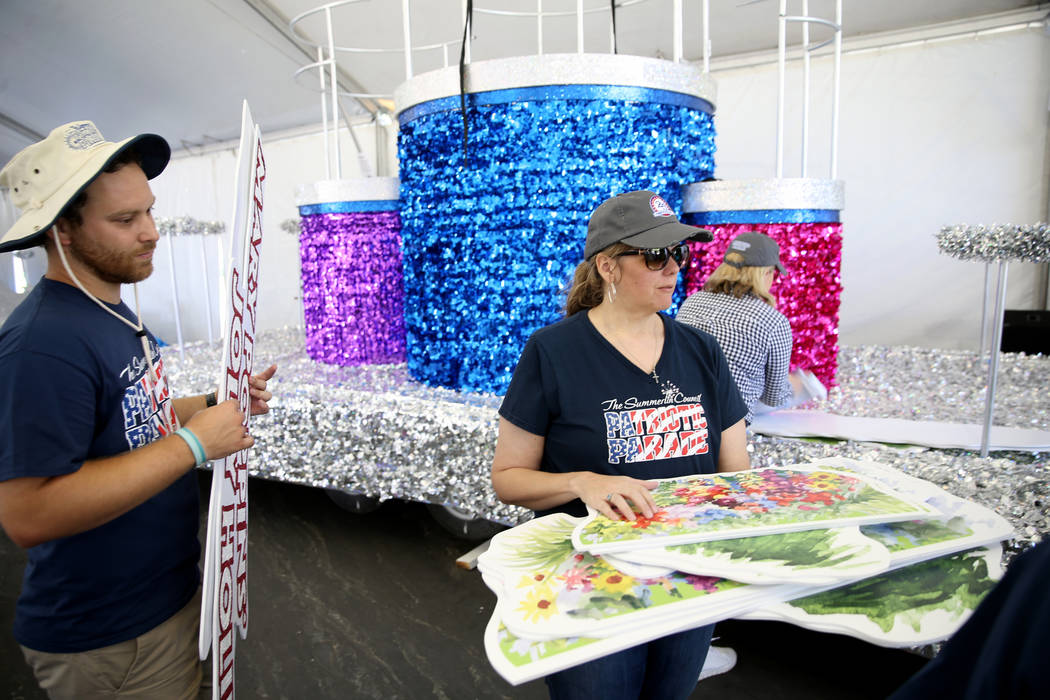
(490, 243)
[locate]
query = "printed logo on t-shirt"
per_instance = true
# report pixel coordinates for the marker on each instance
(637, 431)
(148, 414)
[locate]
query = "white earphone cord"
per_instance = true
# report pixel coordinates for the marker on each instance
(139, 330)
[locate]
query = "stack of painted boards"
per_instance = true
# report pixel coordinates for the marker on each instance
(839, 545)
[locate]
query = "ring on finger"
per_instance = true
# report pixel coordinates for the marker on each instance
(609, 497)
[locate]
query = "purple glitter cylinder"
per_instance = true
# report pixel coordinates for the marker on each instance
(353, 294)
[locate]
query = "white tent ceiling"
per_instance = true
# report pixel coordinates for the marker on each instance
(181, 67)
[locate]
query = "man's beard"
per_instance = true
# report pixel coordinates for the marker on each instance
(111, 265)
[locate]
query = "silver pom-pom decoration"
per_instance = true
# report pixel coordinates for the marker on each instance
(187, 225)
(996, 243)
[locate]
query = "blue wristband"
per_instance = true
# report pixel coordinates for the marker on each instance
(194, 444)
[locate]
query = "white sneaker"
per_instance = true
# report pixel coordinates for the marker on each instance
(719, 660)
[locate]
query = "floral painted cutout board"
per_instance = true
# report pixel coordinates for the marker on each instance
(748, 503)
(811, 557)
(547, 590)
(914, 605)
(961, 525)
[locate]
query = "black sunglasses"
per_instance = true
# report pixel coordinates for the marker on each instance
(656, 259)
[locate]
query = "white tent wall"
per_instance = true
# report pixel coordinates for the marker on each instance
(943, 132)
(201, 186)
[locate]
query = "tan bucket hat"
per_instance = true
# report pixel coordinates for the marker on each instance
(43, 178)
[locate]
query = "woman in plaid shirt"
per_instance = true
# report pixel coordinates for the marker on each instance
(737, 308)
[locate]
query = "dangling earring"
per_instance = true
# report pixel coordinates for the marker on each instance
(610, 293)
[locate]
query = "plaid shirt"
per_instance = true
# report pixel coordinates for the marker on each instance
(756, 340)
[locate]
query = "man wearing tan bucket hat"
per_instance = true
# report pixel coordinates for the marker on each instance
(96, 457)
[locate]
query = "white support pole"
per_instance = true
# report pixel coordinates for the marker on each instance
(993, 365)
(539, 27)
(805, 86)
(207, 287)
(220, 257)
(579, 26)
(676, 23)
(324, 115)
(706, 12)
(406, 27)
(835, 91)
(175, 292)
(334, 85)
(986, 301)
(781, 60)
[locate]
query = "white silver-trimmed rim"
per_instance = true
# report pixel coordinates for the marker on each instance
(757, 194)
(557, 69)
(366, 189)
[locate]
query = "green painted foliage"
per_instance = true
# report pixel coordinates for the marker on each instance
(954, 583)
(806, 549)
(545, 547)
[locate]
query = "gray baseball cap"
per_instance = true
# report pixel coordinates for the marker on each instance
(642, 219)
(757, 249)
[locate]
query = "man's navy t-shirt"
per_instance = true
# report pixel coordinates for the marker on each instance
(74, 387)
(599, 412)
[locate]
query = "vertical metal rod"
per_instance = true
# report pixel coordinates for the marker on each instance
(539, 27)
(406, 28)
(985, 340)
(324, 113)
(993, 365)
(706, 12)
(207, 287)
(470, 30)
(781, 60)
(676, 24)
(334, 86)
(805, 86)
(835, 91)
(175, 292)
(223, 278)
(579, 26)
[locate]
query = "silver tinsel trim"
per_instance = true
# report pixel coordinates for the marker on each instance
(769, 193)
(185, 225)
(373, 429)
(291, 226)
(996, 243)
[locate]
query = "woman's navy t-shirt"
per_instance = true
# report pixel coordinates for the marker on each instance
(599, 412)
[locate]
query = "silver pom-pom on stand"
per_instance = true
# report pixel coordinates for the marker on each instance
(1000, 244)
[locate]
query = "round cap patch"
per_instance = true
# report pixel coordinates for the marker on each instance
(659, 206)
(82, 136)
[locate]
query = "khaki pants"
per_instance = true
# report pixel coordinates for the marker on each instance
(162, 663)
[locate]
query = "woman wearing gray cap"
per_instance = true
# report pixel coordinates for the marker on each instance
(610, 398)
(738, 309)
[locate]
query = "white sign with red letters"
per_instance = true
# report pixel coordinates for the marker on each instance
(224, 605)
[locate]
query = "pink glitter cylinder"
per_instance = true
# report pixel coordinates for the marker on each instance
(353, 294)
(802, 216)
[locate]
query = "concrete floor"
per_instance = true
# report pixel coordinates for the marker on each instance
(373, 606)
